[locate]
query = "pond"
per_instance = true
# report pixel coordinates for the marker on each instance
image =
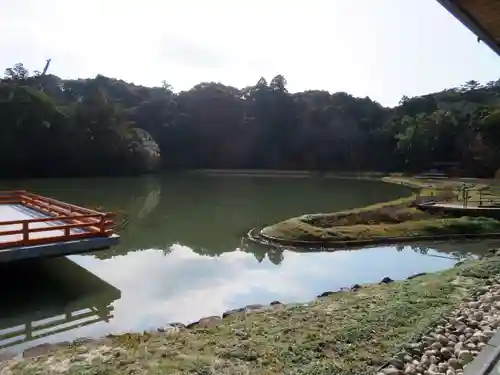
(182, 256)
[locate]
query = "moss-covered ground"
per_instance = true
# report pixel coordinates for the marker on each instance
(351, 332)
(395, 219)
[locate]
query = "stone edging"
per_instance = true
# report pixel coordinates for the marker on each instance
(255, 235)
(204, 322)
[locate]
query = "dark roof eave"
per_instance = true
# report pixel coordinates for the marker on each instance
(463, 16)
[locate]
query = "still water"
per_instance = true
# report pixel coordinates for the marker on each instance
(182, 256)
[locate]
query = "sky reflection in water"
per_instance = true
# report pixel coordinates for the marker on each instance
(146, 282)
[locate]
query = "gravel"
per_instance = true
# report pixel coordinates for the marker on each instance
(456, 341)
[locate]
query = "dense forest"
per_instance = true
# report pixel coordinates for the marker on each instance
(101, 126)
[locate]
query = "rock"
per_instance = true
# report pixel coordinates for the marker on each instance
(482, 290)
(485, 307)
(192, 325)
(416, 275)
(453, 362)
(400, 355)
(445, 353)
(481, 345)
(425, 360)
(478, 315)
(439, 330)
(410, 369)
(465, 356)
(442, 367)
(436, 345)
(386, 280)
(461, 338)
(453, 338)
(324, 294)
(415, 348)
(473, 305)
(433, 359)
(442, 339)
(82, 340)
(355, 287)
(397, 363)
(209, 321)
(489, 333)
(472, 324)
(255, 307)
(233, 312)
(489, 300)
(275, 303)
(408, 358)
(392, 371)
(428, 340)
(433, 368)
(450, 371)
(480, 336)
(470, 346)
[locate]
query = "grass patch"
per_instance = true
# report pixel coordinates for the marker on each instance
(344, 333)
(397, 218)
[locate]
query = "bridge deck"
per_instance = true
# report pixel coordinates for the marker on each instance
(32, 226)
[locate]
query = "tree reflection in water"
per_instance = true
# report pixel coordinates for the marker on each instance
(452, 249)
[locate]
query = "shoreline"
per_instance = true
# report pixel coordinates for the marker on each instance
(365, 328)
(376, 176)
(259, 238)
(388, 222)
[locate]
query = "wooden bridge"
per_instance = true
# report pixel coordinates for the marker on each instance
(33, 226)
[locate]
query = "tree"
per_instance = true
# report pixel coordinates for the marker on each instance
(18, 72)
(103, 125)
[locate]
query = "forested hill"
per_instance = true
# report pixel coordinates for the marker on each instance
(52, 127)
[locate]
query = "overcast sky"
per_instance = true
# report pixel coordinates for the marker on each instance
(378, 48)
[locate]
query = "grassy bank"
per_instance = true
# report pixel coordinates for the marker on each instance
(285, 173)
(397, 218)
(343, 333)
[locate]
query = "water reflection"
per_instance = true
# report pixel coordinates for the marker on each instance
(62, 300)
(44, 298)
(451, 249)
(211, 214)
(182, 257)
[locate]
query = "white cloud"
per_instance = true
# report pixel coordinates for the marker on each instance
(382, 48)
(183, 286)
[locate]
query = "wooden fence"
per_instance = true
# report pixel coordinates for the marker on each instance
(63, 221)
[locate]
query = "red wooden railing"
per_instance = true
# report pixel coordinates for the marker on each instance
(63, 216)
